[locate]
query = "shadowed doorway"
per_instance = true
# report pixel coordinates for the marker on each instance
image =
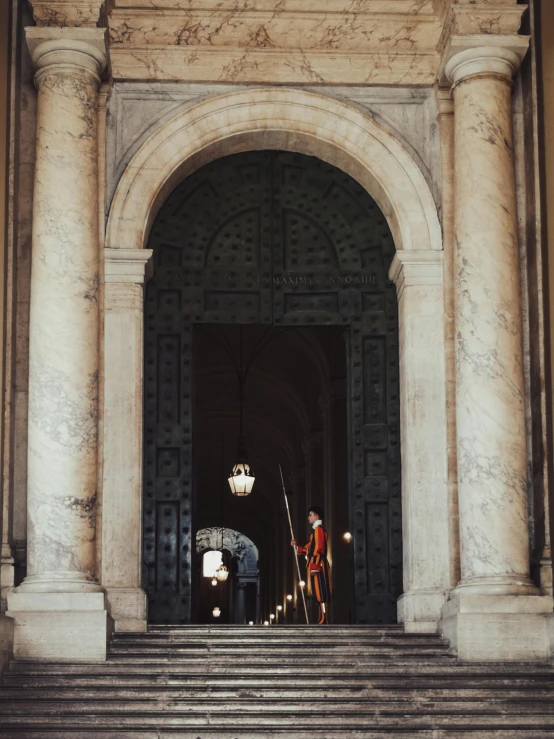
(267, 239)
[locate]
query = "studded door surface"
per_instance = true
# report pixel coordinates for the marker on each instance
(284, 239)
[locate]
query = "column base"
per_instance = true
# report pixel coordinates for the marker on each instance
(6, 641)
(128, 608)
(420, 611)
(60, 626)
(498, 628)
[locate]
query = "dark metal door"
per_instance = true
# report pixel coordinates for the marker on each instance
(271, 238)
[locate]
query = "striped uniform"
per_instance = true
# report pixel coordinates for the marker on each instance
(318, 568)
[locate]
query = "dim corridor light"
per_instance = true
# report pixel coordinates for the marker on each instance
(216, 613)
(279, 608)
(242, 477)
(289, 597)
(347, 536)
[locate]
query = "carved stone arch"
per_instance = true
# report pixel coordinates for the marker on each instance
(239, 546)
(307, 123)
(276, 118)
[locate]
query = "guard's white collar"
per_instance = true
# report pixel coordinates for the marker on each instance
(317, 523)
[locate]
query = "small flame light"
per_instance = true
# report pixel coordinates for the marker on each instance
(271, 616)
(302, 583)
(251, 623)
(222, 573)
(279, 608)
(214, 582)
(289, 598)
(347, 537)
(216, 613)
(266, 623)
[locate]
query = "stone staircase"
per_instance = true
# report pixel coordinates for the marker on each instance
(286, 682)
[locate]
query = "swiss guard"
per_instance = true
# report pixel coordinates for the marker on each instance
(319, 575)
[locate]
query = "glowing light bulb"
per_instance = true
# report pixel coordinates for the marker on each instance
(279, 608)
(251, 623)
(347, 537)
(266, 623)
(302, 584)
(216, 613)
(289, 597)
(214, 582)
(271, 616)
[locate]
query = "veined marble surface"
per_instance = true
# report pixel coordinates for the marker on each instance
(137, 110)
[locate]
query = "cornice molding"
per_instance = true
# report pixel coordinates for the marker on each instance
(126, 265)
(414, 268)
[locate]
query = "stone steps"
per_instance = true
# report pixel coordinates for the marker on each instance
(253, 683)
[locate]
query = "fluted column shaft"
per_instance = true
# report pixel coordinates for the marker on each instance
(489, 357)
(63, 342)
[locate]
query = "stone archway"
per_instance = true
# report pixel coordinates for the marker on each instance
(302, 122)
(245, 555)
(238, 545)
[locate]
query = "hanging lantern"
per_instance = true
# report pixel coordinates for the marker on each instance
(242, 478)
(216, 613)
(214, 582)
(222, 573)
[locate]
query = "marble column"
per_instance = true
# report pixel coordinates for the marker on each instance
(60, 595)
(494, 613)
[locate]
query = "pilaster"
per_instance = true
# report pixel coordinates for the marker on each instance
(418, 277)
(124, 274)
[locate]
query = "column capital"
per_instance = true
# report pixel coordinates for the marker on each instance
(126, 265)
(411, 268)
(444, 100)
(80, 48)
(467, 56)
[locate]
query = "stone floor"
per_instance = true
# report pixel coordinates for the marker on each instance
(254, 682)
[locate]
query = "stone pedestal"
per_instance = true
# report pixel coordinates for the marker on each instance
(495, 612)
(60, 595)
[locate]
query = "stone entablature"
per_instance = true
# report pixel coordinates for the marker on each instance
(360, 42)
